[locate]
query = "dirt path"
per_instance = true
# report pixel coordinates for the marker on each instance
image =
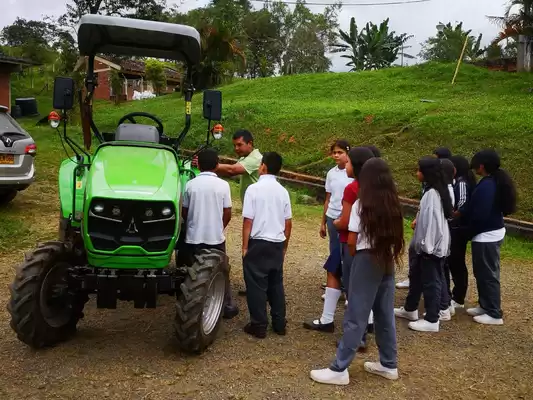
(132, 354)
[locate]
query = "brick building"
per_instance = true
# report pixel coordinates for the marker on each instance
(133, 72)
(9, 65)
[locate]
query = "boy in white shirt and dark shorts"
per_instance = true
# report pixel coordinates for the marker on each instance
(267, 228)
(207, 212)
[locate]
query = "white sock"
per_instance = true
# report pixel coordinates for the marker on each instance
(371, 317)
(330, 305)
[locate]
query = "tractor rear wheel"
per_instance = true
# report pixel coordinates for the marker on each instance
(200, 302)
(44, 309)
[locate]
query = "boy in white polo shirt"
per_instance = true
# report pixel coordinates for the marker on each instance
(266, 230)
(207, 211)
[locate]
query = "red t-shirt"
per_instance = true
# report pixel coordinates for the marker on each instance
(350, 196)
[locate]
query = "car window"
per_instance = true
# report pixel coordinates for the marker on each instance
(8, 124)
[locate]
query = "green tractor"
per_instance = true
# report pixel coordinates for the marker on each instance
(120, 218)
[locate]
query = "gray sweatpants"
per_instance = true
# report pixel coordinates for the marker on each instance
(486, 266)
(370, 289)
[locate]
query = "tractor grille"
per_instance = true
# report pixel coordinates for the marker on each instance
(116, 223)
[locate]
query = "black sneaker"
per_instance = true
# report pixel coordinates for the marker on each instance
(255, 330)
(230, 312)
(280, 331)
(329, 328)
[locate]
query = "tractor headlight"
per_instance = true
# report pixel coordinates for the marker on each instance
(115, 211)
(149, 213)
(166, 212)
(98, 208)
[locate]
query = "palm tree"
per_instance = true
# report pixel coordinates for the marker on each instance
(353, 45)
(515, 24)
(374, 47)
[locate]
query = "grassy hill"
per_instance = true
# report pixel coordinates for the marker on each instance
(301, 115)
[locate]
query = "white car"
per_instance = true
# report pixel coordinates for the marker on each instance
(17, 153)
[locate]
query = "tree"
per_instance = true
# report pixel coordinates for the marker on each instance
(448, 44)
(301, 26)
(116, 82)
(143, 9)
(306, 53)
(155, 73)
(30, 39)
(515, 25)
(374, 47)
(262, 43)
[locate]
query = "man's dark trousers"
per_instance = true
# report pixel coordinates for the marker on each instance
(263, 275)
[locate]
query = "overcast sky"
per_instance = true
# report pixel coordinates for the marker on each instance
(418, 19)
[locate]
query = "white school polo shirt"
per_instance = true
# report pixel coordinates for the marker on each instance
(355, 226)
(336, 180)
(268, 204)
(206, 196)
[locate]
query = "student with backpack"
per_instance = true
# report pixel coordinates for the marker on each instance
(376, 243)
(493, 198)
(464, 184)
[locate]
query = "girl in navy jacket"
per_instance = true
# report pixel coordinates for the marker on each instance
(493, 198)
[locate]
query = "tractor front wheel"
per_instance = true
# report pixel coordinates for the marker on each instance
(44, 308)
(200, 302)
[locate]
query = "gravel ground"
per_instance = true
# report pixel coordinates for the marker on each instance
(132, 354)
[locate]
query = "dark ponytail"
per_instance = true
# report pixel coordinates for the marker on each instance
(506, 196)
(433, 172)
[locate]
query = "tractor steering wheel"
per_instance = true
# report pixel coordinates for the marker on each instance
(129, 117)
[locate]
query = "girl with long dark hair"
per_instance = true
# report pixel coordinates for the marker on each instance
(356, 158)
(431, 243)
(464, 184)
(493, 198)
(376, 242)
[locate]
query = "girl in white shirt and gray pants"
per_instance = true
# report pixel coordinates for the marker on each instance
(376, 240)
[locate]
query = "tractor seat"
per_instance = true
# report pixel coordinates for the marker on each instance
(137, 132)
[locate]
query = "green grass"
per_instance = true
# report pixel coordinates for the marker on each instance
(483, 109)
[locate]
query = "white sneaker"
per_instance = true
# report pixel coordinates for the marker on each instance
(486, 319)
(457, 305)
(403, 284)
(330, 377)
(445, 315)
(474, 312)
(451, 309)
(377, 369)
(410, 315)
(424, 326)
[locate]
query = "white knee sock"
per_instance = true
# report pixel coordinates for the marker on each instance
(330, 305)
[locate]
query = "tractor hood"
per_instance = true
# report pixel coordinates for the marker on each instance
(134, 173)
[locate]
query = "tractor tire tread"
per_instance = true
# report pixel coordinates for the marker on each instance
(188, 320)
